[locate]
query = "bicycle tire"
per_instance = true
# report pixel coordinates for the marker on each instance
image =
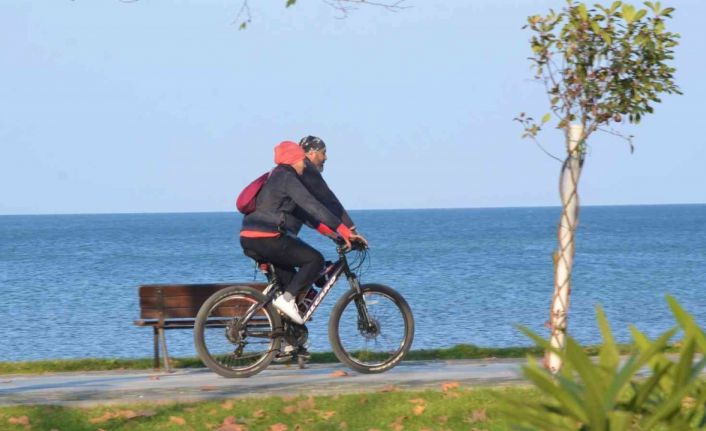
(221, 310)
(354, 358)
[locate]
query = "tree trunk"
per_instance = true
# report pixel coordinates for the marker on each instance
(564, 256)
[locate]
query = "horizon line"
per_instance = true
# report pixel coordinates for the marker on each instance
(357, 209)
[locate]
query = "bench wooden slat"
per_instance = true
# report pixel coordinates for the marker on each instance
(185, 312)
(168, 290)
(181, 301)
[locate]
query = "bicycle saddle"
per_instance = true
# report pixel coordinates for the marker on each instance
(255, 256)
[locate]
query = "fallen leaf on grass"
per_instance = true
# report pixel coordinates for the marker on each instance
(232, 427)
(288, 410)
(389, 388)
(397, 425)
(327, 415)
(230, 424)
(339, 373)
(177, 420)
(480, 415)
(418, 401)
(449, 386)
(106, 417)
(278, 427)
(442, 419)
(419, 409)
(306, 404)
(288, 398)
(22, 420)
(343, 426)
(126, 414)
(227, 405)
(259, 414)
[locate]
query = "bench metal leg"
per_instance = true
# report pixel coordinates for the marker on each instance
(156, 347)
(163, 342)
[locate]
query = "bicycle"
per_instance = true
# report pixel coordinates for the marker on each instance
(238, 332)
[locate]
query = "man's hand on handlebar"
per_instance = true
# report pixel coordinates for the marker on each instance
(353, 242)
(359, 239)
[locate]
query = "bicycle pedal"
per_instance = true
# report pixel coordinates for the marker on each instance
(282, 358)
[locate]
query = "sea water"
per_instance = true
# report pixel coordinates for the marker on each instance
(68, 283)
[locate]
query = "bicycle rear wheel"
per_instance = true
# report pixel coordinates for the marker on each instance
(380, 345)
(226, 345)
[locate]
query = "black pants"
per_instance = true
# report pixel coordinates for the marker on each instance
(286, 254)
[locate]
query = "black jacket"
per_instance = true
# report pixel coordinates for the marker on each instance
(278, 200)
(315, 183)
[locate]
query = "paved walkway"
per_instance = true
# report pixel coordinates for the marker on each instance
(111, 387)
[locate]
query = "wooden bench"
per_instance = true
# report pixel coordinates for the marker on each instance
(175, 306)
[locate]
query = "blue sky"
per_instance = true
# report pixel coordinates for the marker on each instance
(166, 107)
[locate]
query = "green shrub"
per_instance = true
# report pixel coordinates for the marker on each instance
(652, 388)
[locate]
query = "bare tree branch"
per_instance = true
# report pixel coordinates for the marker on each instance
(614, 132)
(544, 150)
(244, 10)
(343, 6)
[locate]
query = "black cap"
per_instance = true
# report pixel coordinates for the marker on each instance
(312, 143)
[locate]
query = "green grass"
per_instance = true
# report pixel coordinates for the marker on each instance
(461, 351)
(450, 409)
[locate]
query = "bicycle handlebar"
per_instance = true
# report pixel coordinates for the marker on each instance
(355, 245)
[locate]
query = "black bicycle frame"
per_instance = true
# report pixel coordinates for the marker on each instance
(335, 270)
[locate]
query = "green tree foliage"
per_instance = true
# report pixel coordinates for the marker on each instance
(601, 65)
(652, 388)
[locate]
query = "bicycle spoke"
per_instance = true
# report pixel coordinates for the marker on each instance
(229, 346)
(377, 345)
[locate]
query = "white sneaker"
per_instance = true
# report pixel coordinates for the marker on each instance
(289, 308)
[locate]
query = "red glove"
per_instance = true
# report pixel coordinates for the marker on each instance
(344, 231)
(324, 230)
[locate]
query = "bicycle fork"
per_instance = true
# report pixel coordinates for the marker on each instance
(365, 323)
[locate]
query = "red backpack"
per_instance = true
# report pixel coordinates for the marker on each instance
(247, 197)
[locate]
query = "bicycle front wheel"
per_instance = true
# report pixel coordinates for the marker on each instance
(226, 345)
(371, 332)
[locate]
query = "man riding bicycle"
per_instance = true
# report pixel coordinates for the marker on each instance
(315, 150)
(271, 230)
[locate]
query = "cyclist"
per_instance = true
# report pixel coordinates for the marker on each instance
(270, 231)
(315, 150)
